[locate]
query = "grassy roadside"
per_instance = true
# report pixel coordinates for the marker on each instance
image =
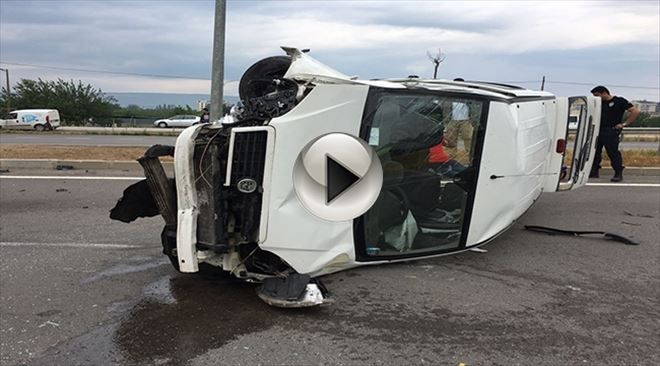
(16, 151)
(643, 158)
(631, 158)
(637, 158)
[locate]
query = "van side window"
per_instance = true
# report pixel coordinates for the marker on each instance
(12, 116)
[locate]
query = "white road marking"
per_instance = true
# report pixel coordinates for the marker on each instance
(70, 245)
(63, 177)
(624, 184)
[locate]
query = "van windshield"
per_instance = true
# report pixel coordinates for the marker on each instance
(427, 143)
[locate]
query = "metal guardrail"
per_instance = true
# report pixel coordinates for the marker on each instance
(634, 131)
(121, 130)
(649, 130)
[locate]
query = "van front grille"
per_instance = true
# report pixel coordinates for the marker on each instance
(249, 156)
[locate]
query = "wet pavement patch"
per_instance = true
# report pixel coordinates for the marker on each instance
(178, 318)
(123, 268)
(184, 316)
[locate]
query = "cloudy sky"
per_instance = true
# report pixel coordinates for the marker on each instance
(611, 43)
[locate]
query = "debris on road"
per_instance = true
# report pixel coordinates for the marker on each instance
(48, 322)
(637, 215)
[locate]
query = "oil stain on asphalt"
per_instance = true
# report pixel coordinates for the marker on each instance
(178, 318)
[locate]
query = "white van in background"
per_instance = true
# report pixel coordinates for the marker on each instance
(37, 119)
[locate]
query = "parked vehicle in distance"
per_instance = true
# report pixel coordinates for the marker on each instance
(37, 119)
(186, 120)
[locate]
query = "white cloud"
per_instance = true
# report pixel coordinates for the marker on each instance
(523, 27)
(381, 39)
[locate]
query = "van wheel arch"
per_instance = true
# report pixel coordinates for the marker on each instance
(39, 127)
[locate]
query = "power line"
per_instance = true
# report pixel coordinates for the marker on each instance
(550, 81)
(104, 71)
(610, 85)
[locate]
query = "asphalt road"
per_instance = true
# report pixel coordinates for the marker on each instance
(79, 289)
(125, 140)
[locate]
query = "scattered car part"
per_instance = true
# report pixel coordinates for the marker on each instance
(292, 291)
(136, 201)
(554, 231)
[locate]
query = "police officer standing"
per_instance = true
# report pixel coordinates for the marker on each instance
(611, 115)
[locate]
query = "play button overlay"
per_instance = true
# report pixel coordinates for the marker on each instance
(337, 177)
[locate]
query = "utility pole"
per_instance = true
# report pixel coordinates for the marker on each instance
(8, 91)
(218, 68)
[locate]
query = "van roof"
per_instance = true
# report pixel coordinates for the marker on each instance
(35, 110)
(484, 88)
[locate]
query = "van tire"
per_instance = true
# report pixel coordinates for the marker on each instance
(39, 127)
(162, 125)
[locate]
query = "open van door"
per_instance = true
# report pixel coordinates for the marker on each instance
(576, 133)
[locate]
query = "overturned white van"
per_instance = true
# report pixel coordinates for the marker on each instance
(235, 203)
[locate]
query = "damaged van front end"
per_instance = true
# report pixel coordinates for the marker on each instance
(217, 207)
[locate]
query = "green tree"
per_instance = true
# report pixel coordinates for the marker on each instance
(76, 102)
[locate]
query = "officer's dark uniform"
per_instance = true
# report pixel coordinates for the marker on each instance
(611, 115)
(204, 118)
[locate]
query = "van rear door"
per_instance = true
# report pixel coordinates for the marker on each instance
(576, 133)
(54, 118)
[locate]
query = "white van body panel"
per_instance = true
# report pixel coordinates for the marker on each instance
(511, 176)
(318, 242)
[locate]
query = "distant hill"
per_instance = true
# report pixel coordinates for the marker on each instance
(151, 100)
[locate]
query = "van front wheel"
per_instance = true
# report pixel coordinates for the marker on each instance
(39, 127)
